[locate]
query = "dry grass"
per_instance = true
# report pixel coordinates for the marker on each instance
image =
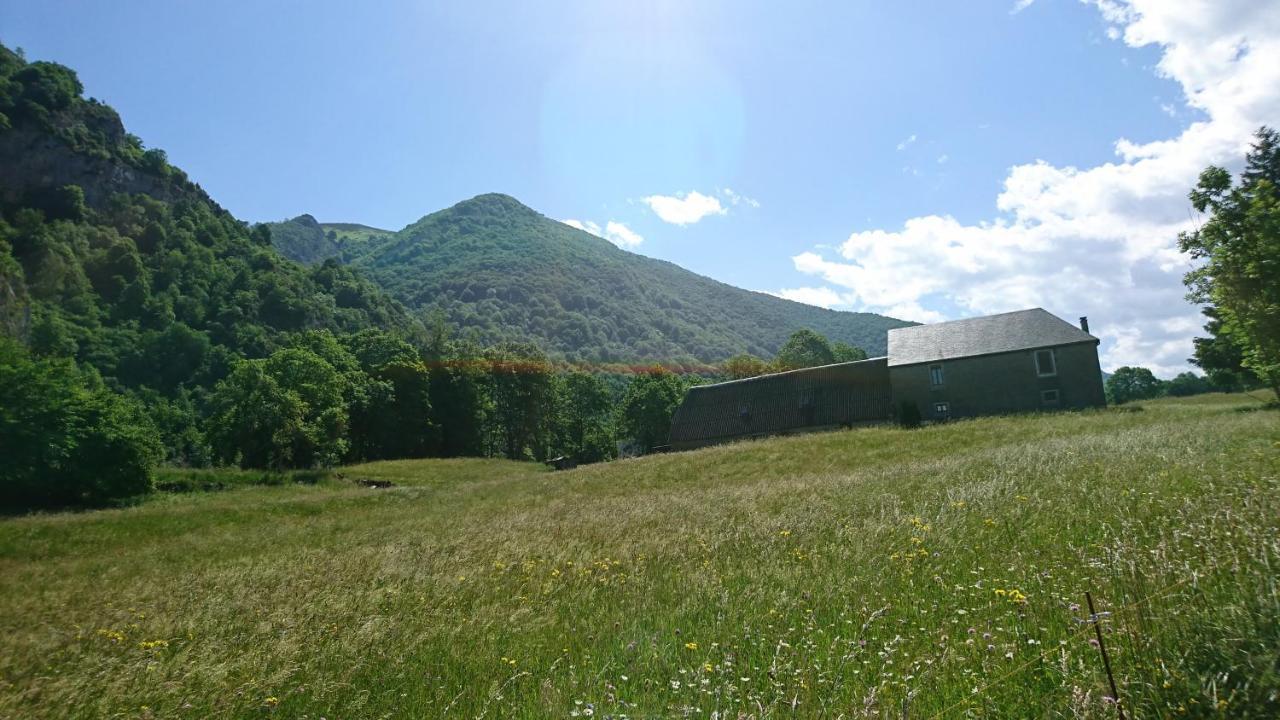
(838, 575)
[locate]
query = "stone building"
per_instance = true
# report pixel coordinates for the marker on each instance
(1021, 361)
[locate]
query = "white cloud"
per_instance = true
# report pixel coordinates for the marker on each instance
(587, 226)
(1098, 241)
(823, 297)
(684, 208)
(943, 158)
(1021, 5)
(613, 231)
(737, 199)
(621, 235)
(907, 142)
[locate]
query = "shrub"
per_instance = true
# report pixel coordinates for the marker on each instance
(65, 439)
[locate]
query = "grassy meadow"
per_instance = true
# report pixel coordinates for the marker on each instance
(866, 573)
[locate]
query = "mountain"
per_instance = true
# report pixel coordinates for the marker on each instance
(495, 267)
(112, 257)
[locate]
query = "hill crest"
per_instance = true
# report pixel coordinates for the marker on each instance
(502, 271)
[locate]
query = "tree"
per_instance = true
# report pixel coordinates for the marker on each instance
(1239, 245)
(843, 352)
(522, 395)
(1221, 356)
(405, 418)
(1187, 383)
(647, 407)
(583, 424)
(744, 366)
(253, 420)
(805, 348)
(1132, 383)
(48, 85)
(66, 439)
(283, 412)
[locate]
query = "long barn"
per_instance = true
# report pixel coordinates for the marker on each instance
(1023, 361)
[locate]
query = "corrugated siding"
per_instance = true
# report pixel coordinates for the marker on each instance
(832, 395)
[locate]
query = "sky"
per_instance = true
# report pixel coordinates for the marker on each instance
(927, 161)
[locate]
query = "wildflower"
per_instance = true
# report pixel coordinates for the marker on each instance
(989, 521)
(784, 533)
(691, 646)
(271, 701)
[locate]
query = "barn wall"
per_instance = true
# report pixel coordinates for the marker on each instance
(831, 396)
(1002, 383)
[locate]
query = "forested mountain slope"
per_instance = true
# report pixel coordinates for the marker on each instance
(112, 258)
(492, 264)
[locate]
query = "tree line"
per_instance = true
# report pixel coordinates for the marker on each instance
(1237, 279)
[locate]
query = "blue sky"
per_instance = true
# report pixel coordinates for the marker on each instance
(834, 126)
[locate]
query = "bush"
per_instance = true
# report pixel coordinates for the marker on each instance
(65, 439)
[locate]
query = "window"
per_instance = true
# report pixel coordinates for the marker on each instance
(935, 375)
(1045, 365)
(942, 410)
(1048, 397)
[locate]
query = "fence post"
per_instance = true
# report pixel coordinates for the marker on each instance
(1106, 662)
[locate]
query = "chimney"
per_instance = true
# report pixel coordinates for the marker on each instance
(1084, 323)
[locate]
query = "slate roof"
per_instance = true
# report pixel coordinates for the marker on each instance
(1006, 332)
(826, 396)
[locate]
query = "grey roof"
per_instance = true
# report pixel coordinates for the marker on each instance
(826, 396)
(1007, 332)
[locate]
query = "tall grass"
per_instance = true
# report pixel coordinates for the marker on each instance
(868, 573)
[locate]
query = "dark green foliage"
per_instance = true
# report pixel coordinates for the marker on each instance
(403, 426)
(583, 425)
(805, 348)
(522, 394)
(843, 352)
(65, 439)
(745, 365)
(494, 266)
(1221, 356)
(648, 406)
(1188, 384)
(253, 421)
(909, 415)
(44, 87)
(181, 480)
(1132, 383)
(1240, 246)
(460, 406)
(58, 203)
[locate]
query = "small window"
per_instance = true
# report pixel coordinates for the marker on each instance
(935, 375)
(942, 410)
(1048, 397)
(1045, 365)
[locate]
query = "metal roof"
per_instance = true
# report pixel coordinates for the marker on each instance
(1006, 332)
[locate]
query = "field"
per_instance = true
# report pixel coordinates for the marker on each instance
(868, 573)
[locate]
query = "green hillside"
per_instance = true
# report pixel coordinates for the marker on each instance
(493, 265)
(844, 574)
(113, 259)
